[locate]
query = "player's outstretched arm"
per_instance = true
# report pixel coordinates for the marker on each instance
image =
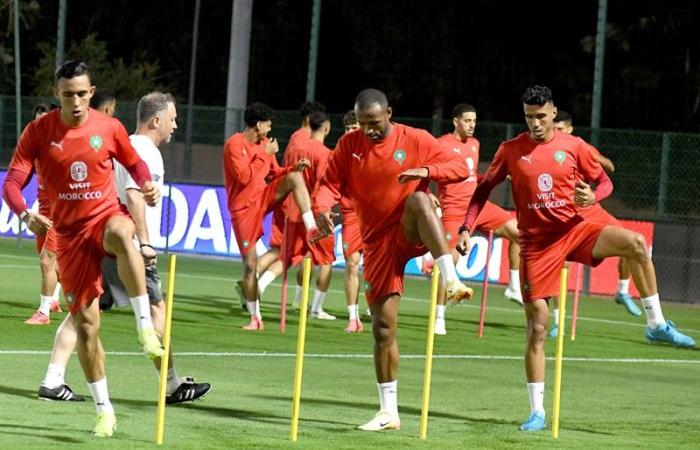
(413, 174)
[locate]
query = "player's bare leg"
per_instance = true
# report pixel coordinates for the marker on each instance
(323, 281)
(92, 360)
(537, 314)
(614, 241)
(117, 241)
(622, 295)
(271, 272)
(54, 386)
(50, 289)
(352, 291)
(421, 225)
(250, 290)
(385, 312)
(509, 230)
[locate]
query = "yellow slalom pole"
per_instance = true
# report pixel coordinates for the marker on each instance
(160, 418)
(301, 338)
(560, 352)
(427, 374)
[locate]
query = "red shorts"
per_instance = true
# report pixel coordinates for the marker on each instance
(597, 214)
(248, 223)
(79, 259)
(277, 227)
(47, 241)
(541, 263)
(322, 252)
(385, 262)
(352, 238)
(491, 218)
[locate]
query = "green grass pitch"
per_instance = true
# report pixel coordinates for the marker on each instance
(618, 391)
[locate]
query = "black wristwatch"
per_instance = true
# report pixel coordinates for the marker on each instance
(462, 229)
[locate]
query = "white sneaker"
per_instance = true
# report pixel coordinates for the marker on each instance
(322, 315)
(440, 327)
(382, 421)
(457, 292)
(514, 296)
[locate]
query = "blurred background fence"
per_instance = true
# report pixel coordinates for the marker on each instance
(655, 178)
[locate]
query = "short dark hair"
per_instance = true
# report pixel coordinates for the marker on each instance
(537, 95)
(369, 97)
(462, 108)
(257, 112)
(563, 116)
(71, 69)
(349, 118)
(101, 97)
(151, 104)
(42, 108)
(317, 119)
(309, 107)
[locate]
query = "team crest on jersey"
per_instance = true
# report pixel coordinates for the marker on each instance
(544, 182)
(70, 298)
(526, 286)
(96, 142)
(346, 245)
(560, 156)
(246, 244)
(400, 155)
(368, 287)
(448, 236)
(78, 171)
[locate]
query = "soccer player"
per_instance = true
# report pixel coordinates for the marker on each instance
(385, 169)
(322, 252)
(269, 265)
(352, 246)
(255, 184)
(594, 212)
(49, 300)
(545, 167)
(73, 149)
(104, 101)
(454, 198)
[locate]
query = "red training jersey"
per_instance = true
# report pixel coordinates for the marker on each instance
(248, 168)
(318, 154)
(368, 172)
(543, 177)
(454, 197)
(74, 165)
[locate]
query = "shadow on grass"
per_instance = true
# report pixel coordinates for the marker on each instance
(5, 430)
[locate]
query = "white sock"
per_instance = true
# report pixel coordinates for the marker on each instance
(297, 296)
(623, 286)
(352, 312)
(254, 308)
(652, 308)
(264, 281)
(142, 312)
(536, 393)
(45, 304)
(100, 395)
(309, 221)
(440, 312)
(388, 397)
(556, 316)
(447, 268)
(173, 381)
(57, 291)
(319, 297)
(514, 281)
(55, 376)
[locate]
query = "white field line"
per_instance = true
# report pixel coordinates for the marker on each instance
(338, 291)
(369, 356)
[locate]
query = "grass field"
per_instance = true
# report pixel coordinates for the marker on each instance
(618, 391)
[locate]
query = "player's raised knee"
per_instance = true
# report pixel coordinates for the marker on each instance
(640, 246)
(419, 202)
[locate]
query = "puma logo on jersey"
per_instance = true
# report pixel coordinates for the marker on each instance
(57, 144)
(527, 158)
(457, 150)
(358, 156)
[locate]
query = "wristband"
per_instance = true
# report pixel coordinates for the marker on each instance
(146, 245)
(462, 229)
(23, 215)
